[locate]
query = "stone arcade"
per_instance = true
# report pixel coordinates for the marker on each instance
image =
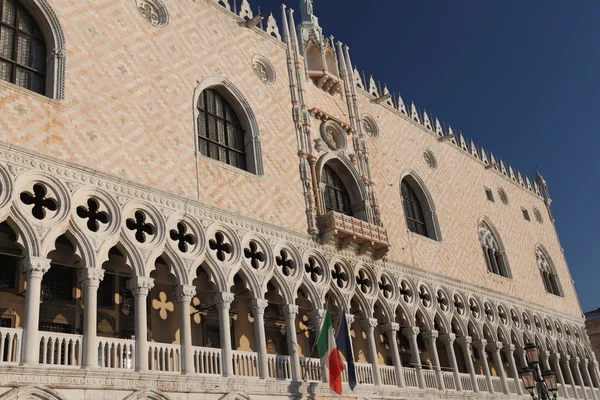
(186, 187)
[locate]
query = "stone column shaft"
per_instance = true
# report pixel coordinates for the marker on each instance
(578, 377)
(34, 269)
(223, 302)
(368, 326)
(570, 375)
(465, 344)
(495, 349)
(290, 311)
(449, 339)
(258, 311)
(185, 294)
(411, 333)
(480, 347)
(587, 377)
(559, 375)
(140, 287)
(509, 352)
(431, 337)
(90, 279)
(391, 330)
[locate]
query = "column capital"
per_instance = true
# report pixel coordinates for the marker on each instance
(368, 324)
(431, 334)
(391, 327)
(480, 343)
(34, 267)
(464, 340)
(290, 310)
(595, 363)
(185, 293)
(140, 285)
(509, 348)
(317, 316)
(223, 299)
(556, 356)
(258, 306)
(350, 319)
(575, 360)
(91, 277)
(448, 338)
(567, 357)
(495, 346)
(411, 331)
(586, 362)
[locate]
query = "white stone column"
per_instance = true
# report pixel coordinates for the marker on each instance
(90, 279)
(411, 333)
(317, 317)
(140, 287)
(570, 375)
(545, 360)
(368, 325)
(34, 269)
(431, 338)
(559, 375)
(587, 377)
(480, 348)
(465, 344)
(258, 311)
(509, 352)
(578, 377)
(391, 330)
(495, 348)
(223, 302)
(595, 375)
(449, 339)
(290, 312)
(185, 294)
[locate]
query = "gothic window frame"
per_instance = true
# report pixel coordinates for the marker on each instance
(336, 192)
(493, 249)
(425, 204)
(247, 120)
(550, 278)
(348, 175)
(54, 39)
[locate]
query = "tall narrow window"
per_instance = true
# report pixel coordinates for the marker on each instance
(220, 133)
(22, 48)
(549, 276)
(413, 210)
(493, 252)
(336, 195)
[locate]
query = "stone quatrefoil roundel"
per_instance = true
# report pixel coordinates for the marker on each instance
(255, 255)
(284, 262)
(153, 11)
(339, 276)
(405, 292)
(139, 225)
(92, 213)
(313, 269)
(41, 201)
(219, 245)
(363, 282)
(182, 237)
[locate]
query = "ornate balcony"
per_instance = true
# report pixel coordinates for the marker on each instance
(347, 230)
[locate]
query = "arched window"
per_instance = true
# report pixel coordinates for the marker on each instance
(335, 195)
(22, 48)
(220, 132)
(494, 254)
(549, 276)
(418, 209)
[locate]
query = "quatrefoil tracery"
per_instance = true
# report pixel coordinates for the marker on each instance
(405, 292)
(93, 215)
(424, 296)
(339, 276)
(489, 312)
(255, 255)
(385, 287)
(40, 200)
(139, 225)
(313, 269)
(286, 264)
(363, 281)
(443, 300)
(502, 315)
(459, 305)
(474, 308)
(219, 245)
(182, 237)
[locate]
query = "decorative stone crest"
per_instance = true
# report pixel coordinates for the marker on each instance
(153, 11)
(264, 70)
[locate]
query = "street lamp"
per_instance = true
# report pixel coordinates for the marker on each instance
(541, 385)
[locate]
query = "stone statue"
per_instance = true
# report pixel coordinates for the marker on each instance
(306, 8)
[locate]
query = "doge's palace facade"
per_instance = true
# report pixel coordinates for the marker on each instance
(186, 187)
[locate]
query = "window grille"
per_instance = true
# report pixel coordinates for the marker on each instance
(212, 337)
(335, 195)
(8, 272)
(55, 328)
(220, 133)
(22, 48)
(58, 283)
(6, 322)
(413, 210)
(127, 300)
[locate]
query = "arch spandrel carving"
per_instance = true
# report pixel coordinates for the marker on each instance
(33, 393)
(147, 395)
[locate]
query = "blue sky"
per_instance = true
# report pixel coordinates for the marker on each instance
(522, 78)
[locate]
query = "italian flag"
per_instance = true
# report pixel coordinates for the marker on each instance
(330, 356)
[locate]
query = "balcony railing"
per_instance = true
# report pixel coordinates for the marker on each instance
(116, 353)
(311, 369)
(61, 349)
(207, 361)
(165, 357)
(245, 363)
(279, 367)
(410, 377)
(349, 230)
(388, 375)
(10, 345)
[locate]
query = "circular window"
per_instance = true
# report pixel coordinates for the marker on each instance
(153, 11)
(430, 159)
(538, 215)
(264, 70)
(503, 196)
(370, 126)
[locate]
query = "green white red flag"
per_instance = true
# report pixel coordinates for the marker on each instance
(330, 356)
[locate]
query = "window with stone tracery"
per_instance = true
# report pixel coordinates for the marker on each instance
(413, 210)
(22, 48)
(335, 195)
(549, 276)
(220, 133)
(493, 251)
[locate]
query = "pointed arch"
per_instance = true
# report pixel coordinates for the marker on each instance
(147, 395)
(493, 249)
(243, 112)
(419, 208)
(33, 393)
(548, 271)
